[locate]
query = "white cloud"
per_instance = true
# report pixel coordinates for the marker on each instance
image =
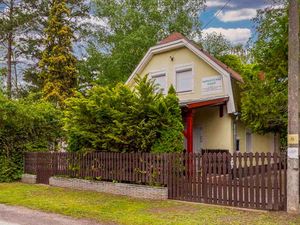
(92, 20)
(237, 15)
(218, 3)
(234, 35)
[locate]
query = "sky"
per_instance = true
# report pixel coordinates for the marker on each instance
(234, 21)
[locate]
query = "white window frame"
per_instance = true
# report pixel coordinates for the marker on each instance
(160, 73)
(182, 67)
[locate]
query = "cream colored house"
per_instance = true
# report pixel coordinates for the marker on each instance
(209, 96)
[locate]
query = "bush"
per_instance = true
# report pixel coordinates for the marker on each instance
(121, 119)
(25, 125)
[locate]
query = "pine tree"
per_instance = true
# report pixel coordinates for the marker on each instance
(14, 21)
(58, 64)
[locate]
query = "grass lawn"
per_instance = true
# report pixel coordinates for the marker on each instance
(124, 210)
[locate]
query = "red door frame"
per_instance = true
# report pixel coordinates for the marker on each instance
(188, 133)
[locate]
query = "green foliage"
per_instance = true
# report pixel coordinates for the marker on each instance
(216, 44)
(270, 50)
(58, 65)
(14, 20)
(264, 104)
(264, 101)
(169, 140)
(132, 28)
(33, 45)
(119, 119)
(234, 62)
(25, 125)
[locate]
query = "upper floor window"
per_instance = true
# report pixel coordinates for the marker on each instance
(184, 79)
(161, 80)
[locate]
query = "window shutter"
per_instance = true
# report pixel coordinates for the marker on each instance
(160, 80)
(184, 80)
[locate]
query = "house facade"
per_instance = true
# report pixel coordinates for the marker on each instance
(209, 96)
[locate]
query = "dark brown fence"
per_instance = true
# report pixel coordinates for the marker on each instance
(140, 168)
(30, 162)
(244, 180)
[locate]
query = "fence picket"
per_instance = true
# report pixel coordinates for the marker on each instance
(246, 183)
(251, 180)
(240, 183)
(219, 178)
(224, 178)
(275, 181)
(269, 181)
(263, 181)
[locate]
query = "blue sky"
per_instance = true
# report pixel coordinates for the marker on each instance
(234, 21)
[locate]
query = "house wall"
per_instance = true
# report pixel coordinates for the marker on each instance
(181, 56)
(217, 131)
(260, 143)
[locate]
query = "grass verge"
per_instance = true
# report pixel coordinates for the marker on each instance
(124, 210)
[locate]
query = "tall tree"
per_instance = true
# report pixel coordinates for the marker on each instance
(264, 101)
(58, 64)
(78, 21)
(129, 28)
(216, 44)
(13, 22)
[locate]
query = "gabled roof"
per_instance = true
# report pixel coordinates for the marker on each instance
(172, 37)
(176, 41)
(178, 36)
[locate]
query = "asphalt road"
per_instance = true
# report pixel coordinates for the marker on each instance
(15, 215)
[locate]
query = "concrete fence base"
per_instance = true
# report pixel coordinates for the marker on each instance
(132, 190)
(28, 178)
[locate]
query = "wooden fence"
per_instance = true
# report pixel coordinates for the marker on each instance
(139, 168)
(243, 180)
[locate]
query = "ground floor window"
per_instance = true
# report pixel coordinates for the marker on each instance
(248, 141)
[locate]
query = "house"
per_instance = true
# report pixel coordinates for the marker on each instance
(209, 96)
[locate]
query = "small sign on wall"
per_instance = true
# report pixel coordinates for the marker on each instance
(293, 139)
(293, 153)
(212, 85)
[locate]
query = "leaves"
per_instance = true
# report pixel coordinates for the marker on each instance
(58, 65)
(216, 44)
(120, 119)
(25, 125)
(264, 99)
(130, 29)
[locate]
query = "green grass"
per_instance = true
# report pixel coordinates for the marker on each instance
(124, 210)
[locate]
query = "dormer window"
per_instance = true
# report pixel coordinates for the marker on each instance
(184, 79)
(160, 79)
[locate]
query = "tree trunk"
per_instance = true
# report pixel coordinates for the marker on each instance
(9, 51)
(9, 64)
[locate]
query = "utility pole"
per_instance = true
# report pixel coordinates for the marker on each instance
(293, 110)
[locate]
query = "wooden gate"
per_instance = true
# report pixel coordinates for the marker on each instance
(245, 180)
(44, 167)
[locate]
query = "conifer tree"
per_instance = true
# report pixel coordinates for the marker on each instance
(14, 20)
(58, 64)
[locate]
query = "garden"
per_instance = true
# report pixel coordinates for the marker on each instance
(115, 119)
